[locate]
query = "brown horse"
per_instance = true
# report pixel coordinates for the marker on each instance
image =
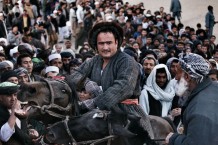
(48, 100)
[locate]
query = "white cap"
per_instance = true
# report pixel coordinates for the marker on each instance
(148, 15)
(1, 14)
(109, 18)
(5, 41)
(158, 16)
(52, 68)
(14, 50)
(97, 3)
(54, 56)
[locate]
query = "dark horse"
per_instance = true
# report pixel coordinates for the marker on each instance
(51, 101)
(98, 127)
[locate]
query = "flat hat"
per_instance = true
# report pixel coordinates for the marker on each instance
(8, 88)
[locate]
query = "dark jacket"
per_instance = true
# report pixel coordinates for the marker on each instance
(118, 79)
(62, 21)
(200, 117)
(20, 136)
(175, 6)
(2, 30)
(209, 20)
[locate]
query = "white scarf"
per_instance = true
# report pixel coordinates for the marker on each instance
(164, 96)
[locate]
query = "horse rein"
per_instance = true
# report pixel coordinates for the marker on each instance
(45, 108)
(91, 142)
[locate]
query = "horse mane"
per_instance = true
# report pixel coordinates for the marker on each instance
(74, 97)
(171, 123)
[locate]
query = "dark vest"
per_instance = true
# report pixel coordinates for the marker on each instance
(20, 136)
(154, 105)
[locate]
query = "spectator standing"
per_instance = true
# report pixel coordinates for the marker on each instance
(3, 29)
(200, 122)
(210, 21)
(176, 9)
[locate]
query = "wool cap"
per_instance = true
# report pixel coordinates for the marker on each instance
(8, 88)
(66, 54)
(21, 70)
(7, 74)
(112, 27)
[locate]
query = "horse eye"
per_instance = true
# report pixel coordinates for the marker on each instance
(63, 91)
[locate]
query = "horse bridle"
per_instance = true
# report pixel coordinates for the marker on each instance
(45, 108)
(108, 138)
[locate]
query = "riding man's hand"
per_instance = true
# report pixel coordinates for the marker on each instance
(92, 88)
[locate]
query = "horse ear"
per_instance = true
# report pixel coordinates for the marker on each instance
(121, 131)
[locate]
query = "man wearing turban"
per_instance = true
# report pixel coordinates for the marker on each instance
(199, 113)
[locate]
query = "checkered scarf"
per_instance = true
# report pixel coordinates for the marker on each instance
(195, 65)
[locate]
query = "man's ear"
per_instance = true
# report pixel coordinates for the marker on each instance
(187, 77)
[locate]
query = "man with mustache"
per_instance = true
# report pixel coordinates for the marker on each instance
(199, 113)
(113, 71)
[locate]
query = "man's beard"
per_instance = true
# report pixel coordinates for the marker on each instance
(181, 88)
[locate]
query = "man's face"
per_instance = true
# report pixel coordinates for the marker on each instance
(181, 87)
(213, 77)
(148, 65)
(106, 45)
(66, 60)
(8, 100)
(212, 39)
(7, 67)
(58, 48)
(161, 79)
(57, 62)
(149, 40)
(68, 44)
(204, 49)
(13, 80)
(2, 58)
(173, 68)
(27, 63)
(51, 74)
(180, 47)
(215, 56)
(144, 33)
(23, 78)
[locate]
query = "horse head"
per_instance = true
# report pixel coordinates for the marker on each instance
(53, 98)
(93, 126)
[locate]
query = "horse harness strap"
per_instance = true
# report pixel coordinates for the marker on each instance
(68, 131)
(91, 142)
(52, 105)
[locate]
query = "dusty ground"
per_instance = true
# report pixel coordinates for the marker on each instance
(193, 11)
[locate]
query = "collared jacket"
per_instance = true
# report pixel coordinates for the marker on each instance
(209, 20)
(119, 79)
(200, 116)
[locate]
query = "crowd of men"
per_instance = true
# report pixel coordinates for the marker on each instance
(36, 42)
